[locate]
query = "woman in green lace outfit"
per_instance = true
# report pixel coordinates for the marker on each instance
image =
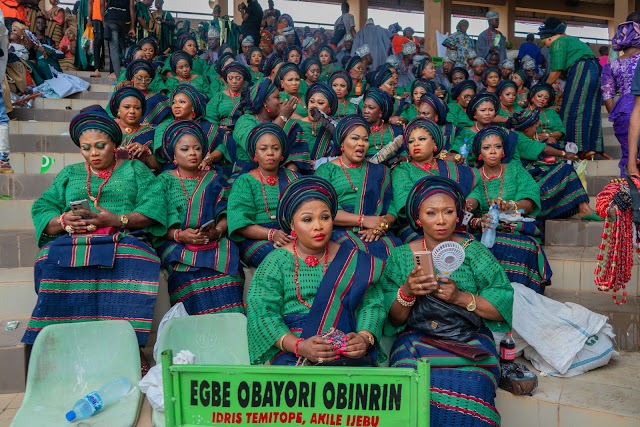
(100, 265)
(224, 105)
(288, 83)
(255, 194)
(341, 83)
(424, 142)
(203, 265)
(365, 196)
(181, 63)
(310, 285)
(460, 387)
(327, 58)
(461, 94)
(377, 108)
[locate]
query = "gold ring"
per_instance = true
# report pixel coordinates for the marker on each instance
(91, 227)
(439, 291)
(320, 359)
(69, 229)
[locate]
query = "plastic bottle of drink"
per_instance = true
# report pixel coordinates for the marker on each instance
(464, 151)
(489, 234)
(93, 402)
(507, 349)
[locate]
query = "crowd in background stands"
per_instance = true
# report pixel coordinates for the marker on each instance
(316, 157)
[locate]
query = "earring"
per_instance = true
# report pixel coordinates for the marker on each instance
(419, 223)
(342, 149)
(175, 162)
(293, 234)
(282, 158)
(255, 159)
(380, 115)
(435, 150)
(267, 108)
(193, 115)
(503, 155)
(480, 158)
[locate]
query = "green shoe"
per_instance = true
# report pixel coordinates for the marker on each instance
(592, 217)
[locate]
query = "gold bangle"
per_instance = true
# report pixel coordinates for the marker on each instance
(369, 336)
(281, 342)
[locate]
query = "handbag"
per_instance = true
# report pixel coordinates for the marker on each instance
(439, 319)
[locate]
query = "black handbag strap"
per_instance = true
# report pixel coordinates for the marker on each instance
(635, 200)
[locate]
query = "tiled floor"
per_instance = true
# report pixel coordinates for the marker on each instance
(9, 404)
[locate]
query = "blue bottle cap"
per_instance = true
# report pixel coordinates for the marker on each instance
(71, 415)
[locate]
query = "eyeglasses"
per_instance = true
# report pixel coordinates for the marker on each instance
(467, 97)
(143, 79)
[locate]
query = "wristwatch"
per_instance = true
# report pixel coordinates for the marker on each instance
(472, 305)
(124, 221)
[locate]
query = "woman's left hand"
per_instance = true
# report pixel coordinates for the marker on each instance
(205, 165)
(137, 150)
(103, 219)
(397, 120)
(356, 346)
(369, 236)
(447, 291)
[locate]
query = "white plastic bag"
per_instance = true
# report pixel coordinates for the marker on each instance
(151, 384)
(597, 351)
(557, 332)
(62, 85)
(177, 310)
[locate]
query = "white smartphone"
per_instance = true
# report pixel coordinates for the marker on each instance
(78, 205)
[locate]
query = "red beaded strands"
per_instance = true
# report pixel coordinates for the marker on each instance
(311, 261)
(613, 271)
(103, 174)
(264, 192)
(344, 169)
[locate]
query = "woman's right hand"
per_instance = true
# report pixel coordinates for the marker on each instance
(288, 106)
(315, 348)
(280, 238)
(371, 222)
(419, 284)
(487, 221)
(76, 222)
(193, 237)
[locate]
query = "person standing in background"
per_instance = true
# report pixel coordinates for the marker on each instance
(271, 16)
(604, 55)
(459, 44)
(491, 39)
(617, 78)
(251, 19)
(119, 21)
(529, 48)
(165, 27)
(344, 25)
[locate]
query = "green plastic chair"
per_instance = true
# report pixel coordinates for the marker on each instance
(215, 339)
(71, 360)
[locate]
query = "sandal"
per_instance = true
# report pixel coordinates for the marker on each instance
(591, 217)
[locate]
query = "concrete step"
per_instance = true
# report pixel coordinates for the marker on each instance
(15, 217)
(595, 183)
(625, 318)
(100, 96)
(42, 144)
(18, 292)
(17, 250)
(606, 396)
(573, 269)
(38, 127)
(24, 186)
(71, 103)
(572, 232)
(48, 114)
(30, 163)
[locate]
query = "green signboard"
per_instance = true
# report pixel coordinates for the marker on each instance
(212, 395)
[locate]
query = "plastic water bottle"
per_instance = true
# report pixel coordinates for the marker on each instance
(464, 151)
(489, 234)
(93, 402)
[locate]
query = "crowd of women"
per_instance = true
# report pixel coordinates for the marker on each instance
(326, 181)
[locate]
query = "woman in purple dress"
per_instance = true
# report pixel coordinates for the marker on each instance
(616, 78)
